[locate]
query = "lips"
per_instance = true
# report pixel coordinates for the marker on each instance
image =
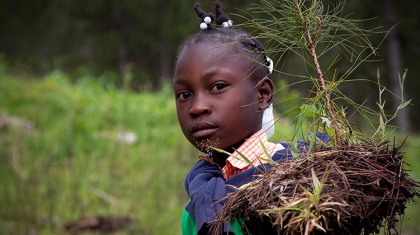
(202, 129)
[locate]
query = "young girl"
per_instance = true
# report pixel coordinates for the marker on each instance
(223, 90)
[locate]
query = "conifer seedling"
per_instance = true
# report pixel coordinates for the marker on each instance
(364, 187)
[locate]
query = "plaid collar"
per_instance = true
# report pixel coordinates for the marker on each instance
(252, 149)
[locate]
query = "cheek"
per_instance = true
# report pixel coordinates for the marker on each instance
(245, 102)
(181, 118)
(243, 114)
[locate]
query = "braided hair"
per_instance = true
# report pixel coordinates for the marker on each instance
(240, 41)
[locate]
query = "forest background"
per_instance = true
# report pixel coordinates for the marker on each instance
(87, 117)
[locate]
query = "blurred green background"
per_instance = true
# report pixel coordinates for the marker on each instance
(88, 127)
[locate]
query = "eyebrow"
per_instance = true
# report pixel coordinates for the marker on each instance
(211, 73)
(179, 81)
(207, 74)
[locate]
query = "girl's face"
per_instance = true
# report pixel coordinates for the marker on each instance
(218, 103)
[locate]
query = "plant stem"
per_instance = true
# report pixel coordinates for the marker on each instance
(312, 50)
(330, 109)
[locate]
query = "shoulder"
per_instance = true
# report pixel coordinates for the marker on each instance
(202, 166)
(200, 173)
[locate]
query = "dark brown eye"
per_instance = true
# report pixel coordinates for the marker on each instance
(183, 95)
(218, 87)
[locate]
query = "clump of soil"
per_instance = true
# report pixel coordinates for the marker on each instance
(366, 188)
(102, 224)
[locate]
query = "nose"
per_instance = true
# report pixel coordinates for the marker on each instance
(200, 106)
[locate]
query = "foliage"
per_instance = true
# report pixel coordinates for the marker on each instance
(310, 30)
(69, 163)
(384, 119)
(98, 36)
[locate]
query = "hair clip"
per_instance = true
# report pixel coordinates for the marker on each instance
(270, 64)
(227, 24)
(207, 21)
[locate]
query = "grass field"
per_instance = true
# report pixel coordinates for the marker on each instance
(74, 150)
(70, 164)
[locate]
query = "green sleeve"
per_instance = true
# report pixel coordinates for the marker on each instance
(236, 226)
(188, 226)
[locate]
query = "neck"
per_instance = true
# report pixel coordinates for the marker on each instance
(220, 158)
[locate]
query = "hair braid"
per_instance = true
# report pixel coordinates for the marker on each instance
(220, 15)
(202, 14)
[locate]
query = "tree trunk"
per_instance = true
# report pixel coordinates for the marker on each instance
(165, 61)
(395, 66)
(122, 61)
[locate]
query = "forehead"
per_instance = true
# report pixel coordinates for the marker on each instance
(197, 59)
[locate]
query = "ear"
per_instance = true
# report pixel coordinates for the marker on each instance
(265, 89)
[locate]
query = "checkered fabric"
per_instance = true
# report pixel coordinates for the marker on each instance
(252, 149)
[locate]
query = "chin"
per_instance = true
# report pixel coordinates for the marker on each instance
(205, 145)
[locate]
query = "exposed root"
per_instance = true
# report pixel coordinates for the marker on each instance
(365, 189)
